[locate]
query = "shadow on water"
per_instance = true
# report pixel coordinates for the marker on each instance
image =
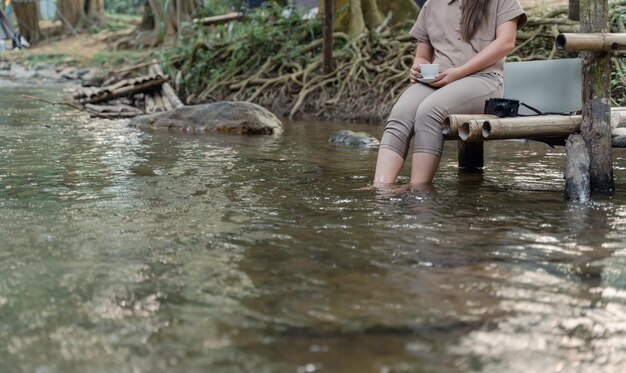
(139, 251)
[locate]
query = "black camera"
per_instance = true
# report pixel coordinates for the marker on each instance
(502, 107)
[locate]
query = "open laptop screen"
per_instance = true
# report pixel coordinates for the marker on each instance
(550, 86)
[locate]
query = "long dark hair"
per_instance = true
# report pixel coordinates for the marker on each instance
(472, 14)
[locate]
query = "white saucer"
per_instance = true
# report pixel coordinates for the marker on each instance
(427, 80)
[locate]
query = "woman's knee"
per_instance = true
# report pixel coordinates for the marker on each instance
(430, 112)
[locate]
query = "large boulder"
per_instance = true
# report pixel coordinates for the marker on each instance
(223, 117)
(355, 139)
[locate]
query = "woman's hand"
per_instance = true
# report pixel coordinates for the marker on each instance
(415, 73)
(447, 77)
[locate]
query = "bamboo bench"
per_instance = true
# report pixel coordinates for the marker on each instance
(550, 86)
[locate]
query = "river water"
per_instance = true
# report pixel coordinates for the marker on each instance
(129, 251)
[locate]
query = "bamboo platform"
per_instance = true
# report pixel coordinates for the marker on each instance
(481, 127)
(90, 95)
(130, 96)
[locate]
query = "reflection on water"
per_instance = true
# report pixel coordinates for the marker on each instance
(131, 251)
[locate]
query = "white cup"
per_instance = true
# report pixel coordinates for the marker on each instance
(429, 70)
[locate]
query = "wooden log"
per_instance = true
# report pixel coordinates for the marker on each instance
(169, 92)
(596, 97)
(471, 155)
(151, 105)
(167, 105)
(577, 181)
(526, 127)
(158, 98)
(218, 20)
(128, 90)
(574, 10)
(591, 42)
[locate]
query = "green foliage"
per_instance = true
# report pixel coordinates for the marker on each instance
(49, 58)
(117, 58)
(217, 7)
(115, 22)
(122, 6)
(265, 34)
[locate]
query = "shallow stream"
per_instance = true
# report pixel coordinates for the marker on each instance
(129, 251)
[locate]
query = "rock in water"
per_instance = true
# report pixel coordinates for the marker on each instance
(224, 117)
(356, 139)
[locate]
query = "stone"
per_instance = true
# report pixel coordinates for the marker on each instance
(619, 142)
(69, 73)
(354, 139)
(42, 66)
(18, 71)
(48, 74)
(243, 118)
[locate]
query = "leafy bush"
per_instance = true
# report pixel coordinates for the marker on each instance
(268, 33)
(122, 6)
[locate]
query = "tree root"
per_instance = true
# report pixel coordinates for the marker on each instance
(371, 71)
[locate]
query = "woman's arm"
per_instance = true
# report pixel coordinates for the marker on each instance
(423, 54)
(503, 44)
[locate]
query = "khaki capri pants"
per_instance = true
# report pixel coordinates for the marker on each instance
(421, 109)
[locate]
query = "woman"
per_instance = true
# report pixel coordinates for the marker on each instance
(469, 39)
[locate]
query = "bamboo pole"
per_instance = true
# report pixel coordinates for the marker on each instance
(216, 20)
(151, 105)
(591, 42)
(451, 123)
(125, 91)
(470, 130)
(465, 126)
(525, 127)
(168, 91)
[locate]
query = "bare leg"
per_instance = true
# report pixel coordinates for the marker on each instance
(388, 167)
(423, 168)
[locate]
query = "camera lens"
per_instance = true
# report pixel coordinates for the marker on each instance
(501, 110)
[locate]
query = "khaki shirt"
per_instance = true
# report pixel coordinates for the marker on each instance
(438, 24)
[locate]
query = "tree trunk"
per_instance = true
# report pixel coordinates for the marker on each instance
(27, 15)
(400, 10)
(72, 11)
(574, 10)
(596, 126)
(355, 16)
(95, 10)
(166, 21)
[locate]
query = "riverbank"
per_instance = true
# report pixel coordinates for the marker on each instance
(279, 65)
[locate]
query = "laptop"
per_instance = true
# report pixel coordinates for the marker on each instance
(550, 85)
